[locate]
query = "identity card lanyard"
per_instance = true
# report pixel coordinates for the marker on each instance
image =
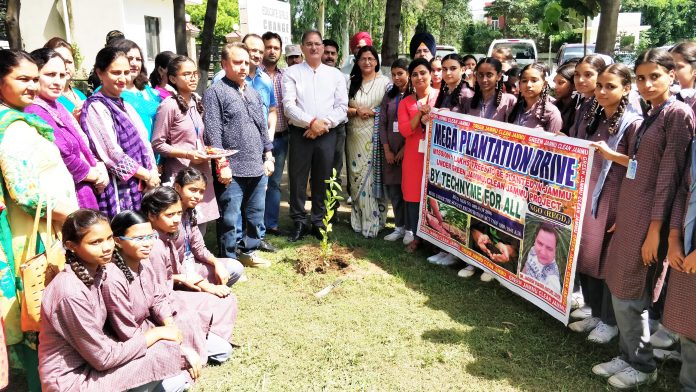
(395, 124)
(632, 162)
(196, 126)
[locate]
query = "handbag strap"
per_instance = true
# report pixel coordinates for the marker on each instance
(31, 245)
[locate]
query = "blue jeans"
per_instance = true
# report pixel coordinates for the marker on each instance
(242, 194)
(280, 152)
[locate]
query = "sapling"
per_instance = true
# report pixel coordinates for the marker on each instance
(332, 197)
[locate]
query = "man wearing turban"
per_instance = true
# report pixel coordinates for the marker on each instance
(359, 40)
(422, 46)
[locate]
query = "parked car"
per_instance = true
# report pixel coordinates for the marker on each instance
(523, 51)
(626, 58)
(444, 50)
(569, 51)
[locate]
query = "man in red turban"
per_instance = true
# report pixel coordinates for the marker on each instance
(359, 40)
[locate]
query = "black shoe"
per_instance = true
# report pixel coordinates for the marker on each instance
(316, 232)
(274, 231)
(298, 232)
(266, 247)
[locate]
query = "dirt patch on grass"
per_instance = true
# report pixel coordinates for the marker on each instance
(307, 258)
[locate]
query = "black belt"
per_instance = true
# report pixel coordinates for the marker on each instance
(279, 134)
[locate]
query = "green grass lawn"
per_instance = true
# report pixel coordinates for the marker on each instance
(398, 323)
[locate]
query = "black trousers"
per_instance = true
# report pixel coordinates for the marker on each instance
(305, 156)
(597, 296)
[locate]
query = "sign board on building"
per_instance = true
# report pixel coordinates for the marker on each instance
(259, 16)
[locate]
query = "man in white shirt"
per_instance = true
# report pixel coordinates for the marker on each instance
(315, 100)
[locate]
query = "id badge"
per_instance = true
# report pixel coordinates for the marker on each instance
(189, 262)
(632, 169)
(395, 127)
(421, 146)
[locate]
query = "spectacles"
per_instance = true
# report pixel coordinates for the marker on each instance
(368, 60)
(190, 75)
(140, 239)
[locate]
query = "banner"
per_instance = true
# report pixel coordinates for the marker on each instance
(509, 200)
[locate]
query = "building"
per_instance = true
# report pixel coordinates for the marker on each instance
(85, 23)
(628, 24)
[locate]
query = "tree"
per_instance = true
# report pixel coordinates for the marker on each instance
(227, 16)
(14, 36)
(180, 27)
(670, 21)
(478, 36)
(392, 25)
(608, 21)
(207, 42)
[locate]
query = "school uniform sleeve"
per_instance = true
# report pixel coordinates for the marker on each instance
(383, 126)
(160, 131)
(87, 338)
(161, 308)
(679, 130)
(680, 202)
(555, 123)
(119, 308)
(200, 252)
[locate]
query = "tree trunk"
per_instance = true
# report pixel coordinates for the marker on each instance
(180, 27)
(206, 44)
(322, 17)
(14, 36)
(608, 23)
(392, 26)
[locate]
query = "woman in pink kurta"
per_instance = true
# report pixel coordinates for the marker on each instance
(75, 354)
(178, 133)
(413, 114)
(187, 288)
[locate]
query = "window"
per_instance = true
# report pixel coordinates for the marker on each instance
(495, 24)
(152, 37)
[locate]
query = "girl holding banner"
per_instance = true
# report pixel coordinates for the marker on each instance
(657, 158)
(611, 127)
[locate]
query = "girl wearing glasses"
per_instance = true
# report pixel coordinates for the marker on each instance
(134, 301)
(75, 353)
(178, 133)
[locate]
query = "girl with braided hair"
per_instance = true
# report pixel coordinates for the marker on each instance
(534, 108)
(191, 184)
(567, 99)
(453, 90)
(647, 209)
(75, 353)
(135, 302)
(186, 288)
(179, 130)
(585, 81)
(489, 100)
(610, 130)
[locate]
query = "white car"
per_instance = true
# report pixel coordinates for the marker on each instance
(523, 51)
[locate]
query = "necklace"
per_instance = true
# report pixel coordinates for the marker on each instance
(369, 89)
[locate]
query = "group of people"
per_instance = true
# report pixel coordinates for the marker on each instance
(133, 175)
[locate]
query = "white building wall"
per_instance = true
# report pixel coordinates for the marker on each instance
(476, 7)
(40, 21)
(135, 12)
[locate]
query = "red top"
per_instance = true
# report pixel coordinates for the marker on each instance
(412, 166)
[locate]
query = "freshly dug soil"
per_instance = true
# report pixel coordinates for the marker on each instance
(307, 258)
